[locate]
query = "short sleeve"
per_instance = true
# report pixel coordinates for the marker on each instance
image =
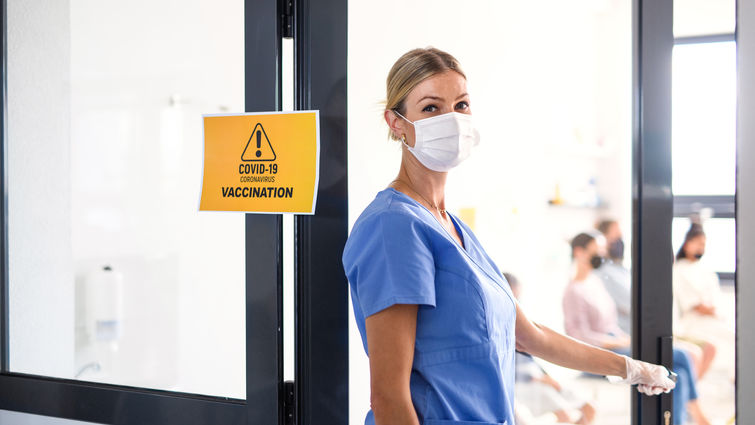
(388, 260)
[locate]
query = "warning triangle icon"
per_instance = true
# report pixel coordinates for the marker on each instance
(258, 148)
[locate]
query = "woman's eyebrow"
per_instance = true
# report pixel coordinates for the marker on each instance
(430, 97)
(440, 98)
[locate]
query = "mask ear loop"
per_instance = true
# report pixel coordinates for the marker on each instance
(403, 136)
(399, 114)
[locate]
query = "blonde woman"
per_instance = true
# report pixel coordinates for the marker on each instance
(437, 319)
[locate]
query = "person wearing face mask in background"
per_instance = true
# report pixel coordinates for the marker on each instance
(696, 289)
(590, 315)
(616, 278)
(696, 297)
(437, 318)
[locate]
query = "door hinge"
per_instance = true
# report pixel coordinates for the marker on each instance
(287, 19)
(289, 403)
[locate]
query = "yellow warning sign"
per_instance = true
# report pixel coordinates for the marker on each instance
(265, 162)
(262, 151)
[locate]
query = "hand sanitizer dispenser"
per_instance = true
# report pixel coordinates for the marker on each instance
(104, 289)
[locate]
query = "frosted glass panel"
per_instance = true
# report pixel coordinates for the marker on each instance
(114, 275)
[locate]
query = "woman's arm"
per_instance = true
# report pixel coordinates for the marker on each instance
(564, 351)
(390, 342)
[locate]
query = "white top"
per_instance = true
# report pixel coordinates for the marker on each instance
(694, 284)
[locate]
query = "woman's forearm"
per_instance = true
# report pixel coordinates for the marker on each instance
(390, 338)
(564, 351)
(394, 411)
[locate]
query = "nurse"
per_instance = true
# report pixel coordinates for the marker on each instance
(437, 319)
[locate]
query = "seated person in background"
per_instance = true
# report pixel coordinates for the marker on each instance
(616, 278)
(539, 392)
(590, 315)
(695, 288)
(617, 281)
(589, 311)
(696, 293)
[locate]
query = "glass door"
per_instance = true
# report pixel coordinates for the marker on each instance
(704, 105)
(118, 294)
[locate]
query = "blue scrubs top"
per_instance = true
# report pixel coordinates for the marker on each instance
(463, 370)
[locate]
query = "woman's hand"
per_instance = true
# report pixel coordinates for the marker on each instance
(650, 379)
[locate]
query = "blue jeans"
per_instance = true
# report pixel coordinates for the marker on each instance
(686, 385)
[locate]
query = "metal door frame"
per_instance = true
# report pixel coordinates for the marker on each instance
(322, 315)
(652, 201)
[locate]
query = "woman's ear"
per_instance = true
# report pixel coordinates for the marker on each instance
(394, 124)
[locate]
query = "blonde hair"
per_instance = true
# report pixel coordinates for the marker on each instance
(412, 68)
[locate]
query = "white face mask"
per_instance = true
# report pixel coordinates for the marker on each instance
(442, 142)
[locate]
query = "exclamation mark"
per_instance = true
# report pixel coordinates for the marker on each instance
(259, 144)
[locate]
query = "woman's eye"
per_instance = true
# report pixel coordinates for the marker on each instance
(430, 108)
(462, 105)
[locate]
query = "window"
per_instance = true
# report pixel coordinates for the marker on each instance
(114, 276)
(703, 182)
(704, 144)
(704, 118)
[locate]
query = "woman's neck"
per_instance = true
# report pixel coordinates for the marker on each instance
(429, 185)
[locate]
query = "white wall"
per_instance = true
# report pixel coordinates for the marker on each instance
(39, 189)
(745, 211)
(551, 95)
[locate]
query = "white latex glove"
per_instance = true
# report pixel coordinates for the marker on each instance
(646, 389)
(650, 379)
